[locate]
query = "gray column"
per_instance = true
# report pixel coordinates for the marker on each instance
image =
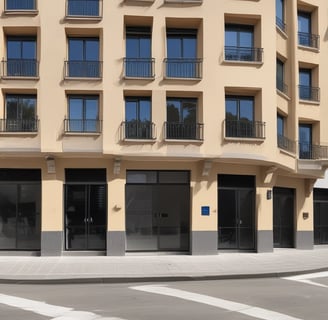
(51, 243)
(264, 241)
(115, 243)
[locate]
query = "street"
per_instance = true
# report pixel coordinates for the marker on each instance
(296, 298)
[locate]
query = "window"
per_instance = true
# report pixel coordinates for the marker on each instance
(280, 77)
(182, 59)
(20, 4)
(306, 91)
(280, 125)
(305, 36)
(83, 114)
(138, 123)
(138, 61)
(283, 141)
(280, 14)
(83, 58)
(239, 43)
(182, 119)
(21, 57)
(83, 8)
(305, 141)
(20, 113)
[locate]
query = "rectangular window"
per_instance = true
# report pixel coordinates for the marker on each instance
(305, 36)
(83, 8)
(21, 57)
(182, 119)
(20, 4)
(240, 118)
(83, 114)
(21, 113)
(138, 123)
(83, 58)
(306, 90)
(182, 59)
(280, 77)
(280, 14)
(138, 61)
(305, 141)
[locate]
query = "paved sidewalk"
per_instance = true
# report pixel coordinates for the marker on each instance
(64, 269)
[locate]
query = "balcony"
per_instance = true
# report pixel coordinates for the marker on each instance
(20, 68)
(19, 125)
(309, 93)
(138, 130)
(286, 144)
(308, 40)
(280, 24)
(142, 68)
(83, 69)
(244, 129)
(84, 9)
(183, 68)
(281, 86)
(20, 5)
(82, 126)
(245, 54)
(312, 152)
(184, 131)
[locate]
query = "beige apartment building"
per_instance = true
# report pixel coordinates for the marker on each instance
(191, 126)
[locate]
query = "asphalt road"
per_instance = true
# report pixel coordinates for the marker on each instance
(301, 298)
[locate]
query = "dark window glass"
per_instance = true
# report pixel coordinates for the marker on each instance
(305, 141)
(21, 56)
(280, 125)
(83, 56)
(305, 79)
(304, 29)
(83, 113)
(85, 175)
(280, 76)
(83, 8)
(20, 5)
(280, 14)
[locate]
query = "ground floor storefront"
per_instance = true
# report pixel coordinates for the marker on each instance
(117, 207)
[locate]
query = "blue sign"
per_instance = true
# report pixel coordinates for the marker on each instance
(205, 210)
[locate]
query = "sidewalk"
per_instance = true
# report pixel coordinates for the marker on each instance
(97, 269)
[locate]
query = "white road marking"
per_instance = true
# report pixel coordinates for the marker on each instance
(306, 278)
(255, 312)
(45, 309)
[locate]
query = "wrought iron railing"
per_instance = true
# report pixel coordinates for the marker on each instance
(83, 69)
(282, 86)
(244, 129)
(286, 144)
(312, 151)
(19, 125)
(139, 130)
(139, 67)
(280, 24)
(184, 131)
(309, 93)
(308, 40)
(248, 54)
(183, 68)
(83, 8)
(20, 68)
(20, 5)
(82, 125)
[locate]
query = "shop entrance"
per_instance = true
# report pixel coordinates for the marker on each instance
(85, 209)
(283, 217)
(157, 210)
(236, 212)
(320, 216)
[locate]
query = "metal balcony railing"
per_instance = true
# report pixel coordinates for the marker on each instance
(139, 67)
(19, 125)
(84, 8)
(83, 69)
(308, 40)
(280, 24)
(312, 152)
(183, 68)
(138, 130)
(286, 144)
(309, 93)
(20, 5)
(243, 54)
(244, 129)
(20, 68)
(184, 131)
(82, 125)
(282, 86)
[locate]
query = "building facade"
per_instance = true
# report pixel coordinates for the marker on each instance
(162, 125)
